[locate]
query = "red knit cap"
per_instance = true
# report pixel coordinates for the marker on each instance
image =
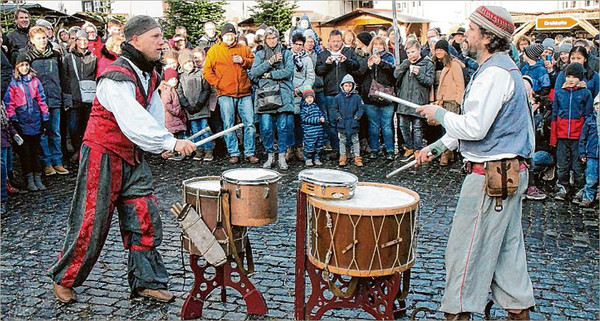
(495, 19)
(170, 73)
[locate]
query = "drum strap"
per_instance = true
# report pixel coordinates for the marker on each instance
(336, 290)
(227, 222)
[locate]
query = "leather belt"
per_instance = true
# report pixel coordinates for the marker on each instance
(479, 168)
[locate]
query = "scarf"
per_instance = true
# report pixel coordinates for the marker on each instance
(35, 54)
(298, 60)
(270, 52)
(137, 58)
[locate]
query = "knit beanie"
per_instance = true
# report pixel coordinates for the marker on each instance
(307, 92)
(185, 56)
(528, 79)
(575, 69)
(565, 47)
(534, 51)
(43, 23)
(548, 43)
(495, 19)
(170, 73)
(365, 37)
(442, 44)
(227, 28)
(22, 57)
(139, 25)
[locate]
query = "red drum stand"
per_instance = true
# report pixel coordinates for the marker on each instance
(379, 296)
(226, 275)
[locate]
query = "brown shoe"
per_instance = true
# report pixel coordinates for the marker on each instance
(234, 160)
(49, 171)
(458, 316)
(445, 158)
(358, 161)
(523, 315)
(342, 161)
(158, 295)
(298, 153)
(288, 154)
(253, 159)
(63, 294)
(60, 170)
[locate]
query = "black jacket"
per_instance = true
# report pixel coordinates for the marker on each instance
(17, 40)
(382, 73)
(333, 73)
(194, 92)
(86, 69)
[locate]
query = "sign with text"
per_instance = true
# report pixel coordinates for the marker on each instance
(545, 23)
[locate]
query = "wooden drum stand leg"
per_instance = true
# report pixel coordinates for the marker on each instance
(374, 295)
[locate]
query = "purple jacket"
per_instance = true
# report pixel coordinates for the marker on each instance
(7, 131)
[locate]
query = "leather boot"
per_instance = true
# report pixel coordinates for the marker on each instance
(289, 153)
(343, 160)
(445, 158)
(523, 315)
(63, 294)
(158, 295)
(270, 161)
(31, 183)
(37, 178)
(358, 161)
(298, 153)
(281, 161)
(458, 316)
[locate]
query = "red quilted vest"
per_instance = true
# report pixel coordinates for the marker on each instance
(102, 128)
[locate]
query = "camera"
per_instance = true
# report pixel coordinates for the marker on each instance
(297, 19)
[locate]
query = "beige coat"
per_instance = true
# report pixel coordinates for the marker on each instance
(452, 83)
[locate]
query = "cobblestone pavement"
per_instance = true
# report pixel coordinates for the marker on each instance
(561, 240)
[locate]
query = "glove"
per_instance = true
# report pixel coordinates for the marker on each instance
(18, 140)
(273, 60)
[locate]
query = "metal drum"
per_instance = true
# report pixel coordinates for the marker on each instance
(327, 183)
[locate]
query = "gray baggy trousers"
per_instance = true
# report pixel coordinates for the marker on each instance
(486, 251)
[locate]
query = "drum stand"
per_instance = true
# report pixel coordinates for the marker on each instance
(379, 296)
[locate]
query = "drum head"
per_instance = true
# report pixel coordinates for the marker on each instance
(371, 199)
(210, 185)
(328, 177)
(250, 176)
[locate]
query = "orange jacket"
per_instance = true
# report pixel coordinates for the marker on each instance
(228, 78)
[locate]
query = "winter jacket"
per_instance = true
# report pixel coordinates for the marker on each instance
(333, 73)
(206, 43)
(7, 130)
(382, 73)
(347, 109)
(194, 92)
(228, 78)
(50, 71)
(174, 116)
(86, 70)
(303, 78)
(318, 84)
(414, 88)
(6, 73)
(539, 75)
(96, 46)
(588, 142)
(310, 116)
(593, 83)
(452, 83)
(280, 73)
(17, 40)
(106, 58)
(570, 108)
(25, 103)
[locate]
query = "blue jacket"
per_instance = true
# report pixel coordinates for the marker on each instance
(310, 115)
(50, 71)
(281, 73)
(347, 109)
(26, 104)
(593, 84)
(538, 74)
(570, 108)
(588, 142)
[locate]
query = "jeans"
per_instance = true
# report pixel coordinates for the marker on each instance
(197, 125)
(380, 119)
(330, 129)
(567, 160)
(9, 159)
(50, 142)
(412, 131)
(246, 111)
(355, 144)
(298, 132)
(78, 119)
(285, 131)
(541, 160)
(3, 162)
(321, 102)
(591, 179)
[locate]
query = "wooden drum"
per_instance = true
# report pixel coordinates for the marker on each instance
(204, 194)
(253, 195)
(371, 234)
(327, 183)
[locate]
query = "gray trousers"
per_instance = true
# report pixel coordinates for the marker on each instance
(486, 251)
(355, 144)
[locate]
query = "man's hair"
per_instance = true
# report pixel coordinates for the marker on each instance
(37, 30)
(433, 29)
(411, 43)
(335, 32)
(382, 28)
(181, 28)
(21, 10)
(497, 43)
(298, 37)
(114, 22)
(581, 42)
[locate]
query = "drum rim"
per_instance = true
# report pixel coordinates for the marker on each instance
(322, 204)
(359, 273)
(250, 182)
(324, 183)
(201, 192)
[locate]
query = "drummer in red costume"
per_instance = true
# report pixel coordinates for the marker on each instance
(127, 119)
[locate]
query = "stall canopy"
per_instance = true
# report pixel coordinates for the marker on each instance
(57, 18)
(580, 22)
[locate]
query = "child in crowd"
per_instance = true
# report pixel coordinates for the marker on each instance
(572, 105)
(312, 128)
(534, 67)
(194, 92)
(28, 111)
(588, 151)
(348, 108)
(175, 119)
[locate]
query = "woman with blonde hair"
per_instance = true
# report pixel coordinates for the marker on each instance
(349, 39)
(109, 53)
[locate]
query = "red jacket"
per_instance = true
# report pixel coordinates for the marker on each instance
(102, 128)
(106, 58)
(95, 46)
(570, 108)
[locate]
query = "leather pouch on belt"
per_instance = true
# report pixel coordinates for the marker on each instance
(501, 179)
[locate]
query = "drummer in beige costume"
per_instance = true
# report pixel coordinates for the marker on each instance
(486, 250)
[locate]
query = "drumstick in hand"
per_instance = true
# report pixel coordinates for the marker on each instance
(409, 165)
